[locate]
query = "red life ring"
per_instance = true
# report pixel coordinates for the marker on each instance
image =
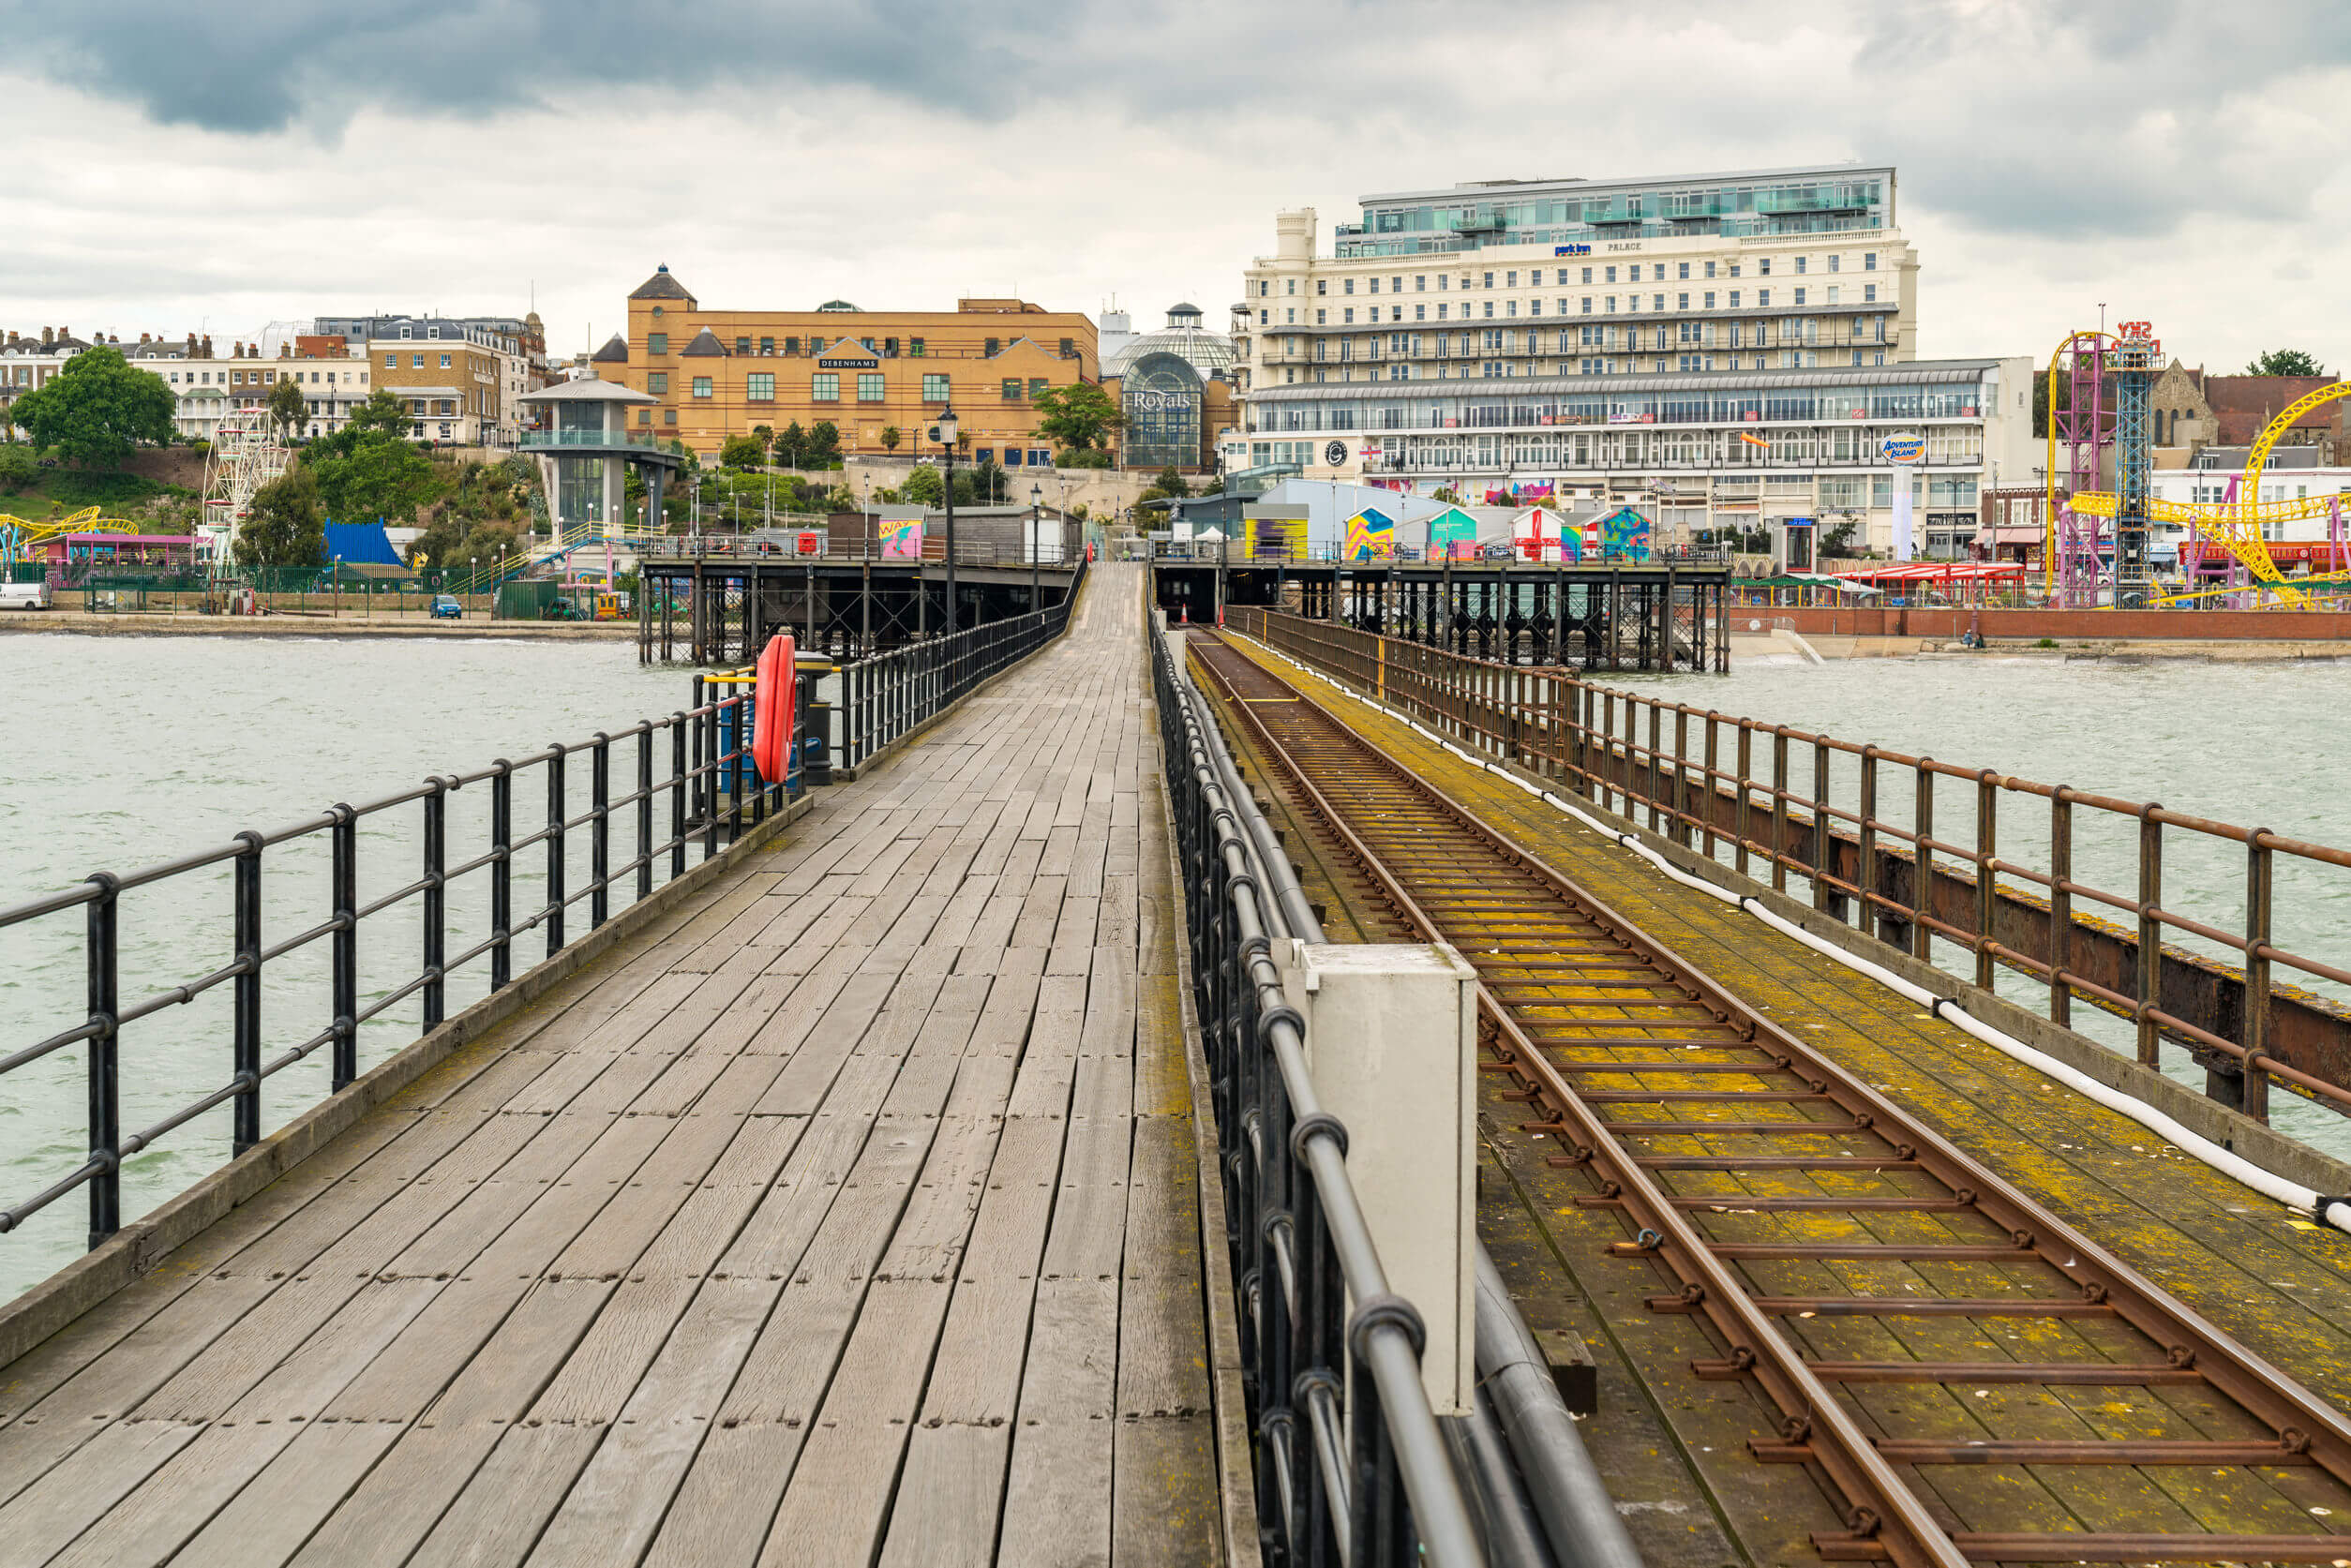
(771, 711)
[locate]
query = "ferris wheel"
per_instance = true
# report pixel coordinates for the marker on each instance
(245, 455)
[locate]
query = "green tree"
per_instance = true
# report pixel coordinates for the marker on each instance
(2285, 362)
(764, 435)
(285, 526)
(1168, 485)
(287, 407)
(824, 446)
(17, 465)
(742, 452)
(924, 486)
(840, 499)
(383, 413)
(890, 438)
(378, 476)
(97, 408)
(1213, 485)
(1089, 460)
(1079, 416)
(791, 446)
(1446, 494)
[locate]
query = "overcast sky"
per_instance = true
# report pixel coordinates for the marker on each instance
(173, 166)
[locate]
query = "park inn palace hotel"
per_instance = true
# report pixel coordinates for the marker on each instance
(1717, 349)
(715, 373)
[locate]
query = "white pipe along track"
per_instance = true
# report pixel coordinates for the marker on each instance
(2328, 1210)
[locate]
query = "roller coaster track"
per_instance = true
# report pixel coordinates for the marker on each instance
(1823, 1235)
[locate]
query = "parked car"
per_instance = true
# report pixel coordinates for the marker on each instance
(444, 607)
(23, 596)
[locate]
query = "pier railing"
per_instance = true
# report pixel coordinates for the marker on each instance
(1982, 872)
(883, 697)
(1349, 1464)
(660, 788)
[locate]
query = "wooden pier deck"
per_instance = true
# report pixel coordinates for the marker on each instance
(853, 1217)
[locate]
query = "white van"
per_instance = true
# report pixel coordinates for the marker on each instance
(23, 596)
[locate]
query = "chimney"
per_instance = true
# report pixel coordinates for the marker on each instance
(191, 346)
(208, 346)
(48, 336)
(142, 337)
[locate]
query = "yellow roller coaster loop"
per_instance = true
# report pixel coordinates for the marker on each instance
(2259, 454)
(2238, 526)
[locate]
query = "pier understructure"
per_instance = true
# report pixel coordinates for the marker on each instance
(1606, 616)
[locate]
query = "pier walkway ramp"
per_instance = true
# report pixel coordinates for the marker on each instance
(852, 1216)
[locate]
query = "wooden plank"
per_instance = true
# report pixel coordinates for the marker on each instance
(267, 1523)
(945, 1514)
(1165, 1513)
(1057, 1495)
(44, 1519)
(836, 1505)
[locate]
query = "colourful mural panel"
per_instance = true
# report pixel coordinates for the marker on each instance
(1370, 535)
(901, 538)
(1625, 532)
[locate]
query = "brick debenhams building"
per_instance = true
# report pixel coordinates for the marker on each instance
(880, 376)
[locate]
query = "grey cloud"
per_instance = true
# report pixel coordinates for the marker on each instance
(262, 65)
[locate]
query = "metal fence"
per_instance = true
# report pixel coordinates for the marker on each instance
(1351, 1465)
(2062, 885)
(696, 763)
(883, 697)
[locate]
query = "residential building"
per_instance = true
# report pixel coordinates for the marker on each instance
(1694, 449)
(1781, 269)
(207, 386)
(29, 363)
(878, 376)
(518, 345)
(460, 390)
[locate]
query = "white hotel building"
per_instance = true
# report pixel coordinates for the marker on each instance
(1718, 349)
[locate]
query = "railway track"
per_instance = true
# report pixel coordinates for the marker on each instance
(1967, 1378)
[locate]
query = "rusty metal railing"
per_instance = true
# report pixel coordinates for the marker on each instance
(1918, 856)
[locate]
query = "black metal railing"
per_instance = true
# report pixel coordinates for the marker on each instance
(883, 697)
(697, 762)
(1350, 1466)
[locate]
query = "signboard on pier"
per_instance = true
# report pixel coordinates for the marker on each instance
(1903, 451)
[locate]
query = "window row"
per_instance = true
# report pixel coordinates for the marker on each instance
(871, 386)
(1658, 272)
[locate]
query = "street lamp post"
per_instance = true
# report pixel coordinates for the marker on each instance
(945, 431)
(1036, 527)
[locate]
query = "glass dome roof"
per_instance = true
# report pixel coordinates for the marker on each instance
(1211, 353)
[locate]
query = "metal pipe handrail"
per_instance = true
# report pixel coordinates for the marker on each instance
(1613, 745)
(1284, 1164)
(712, 791)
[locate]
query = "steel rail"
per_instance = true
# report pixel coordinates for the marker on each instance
(1415, 820)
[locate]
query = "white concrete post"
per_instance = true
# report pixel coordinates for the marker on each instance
(1391, 1039)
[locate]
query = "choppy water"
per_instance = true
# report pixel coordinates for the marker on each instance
(116, 752)
(2255, 744)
